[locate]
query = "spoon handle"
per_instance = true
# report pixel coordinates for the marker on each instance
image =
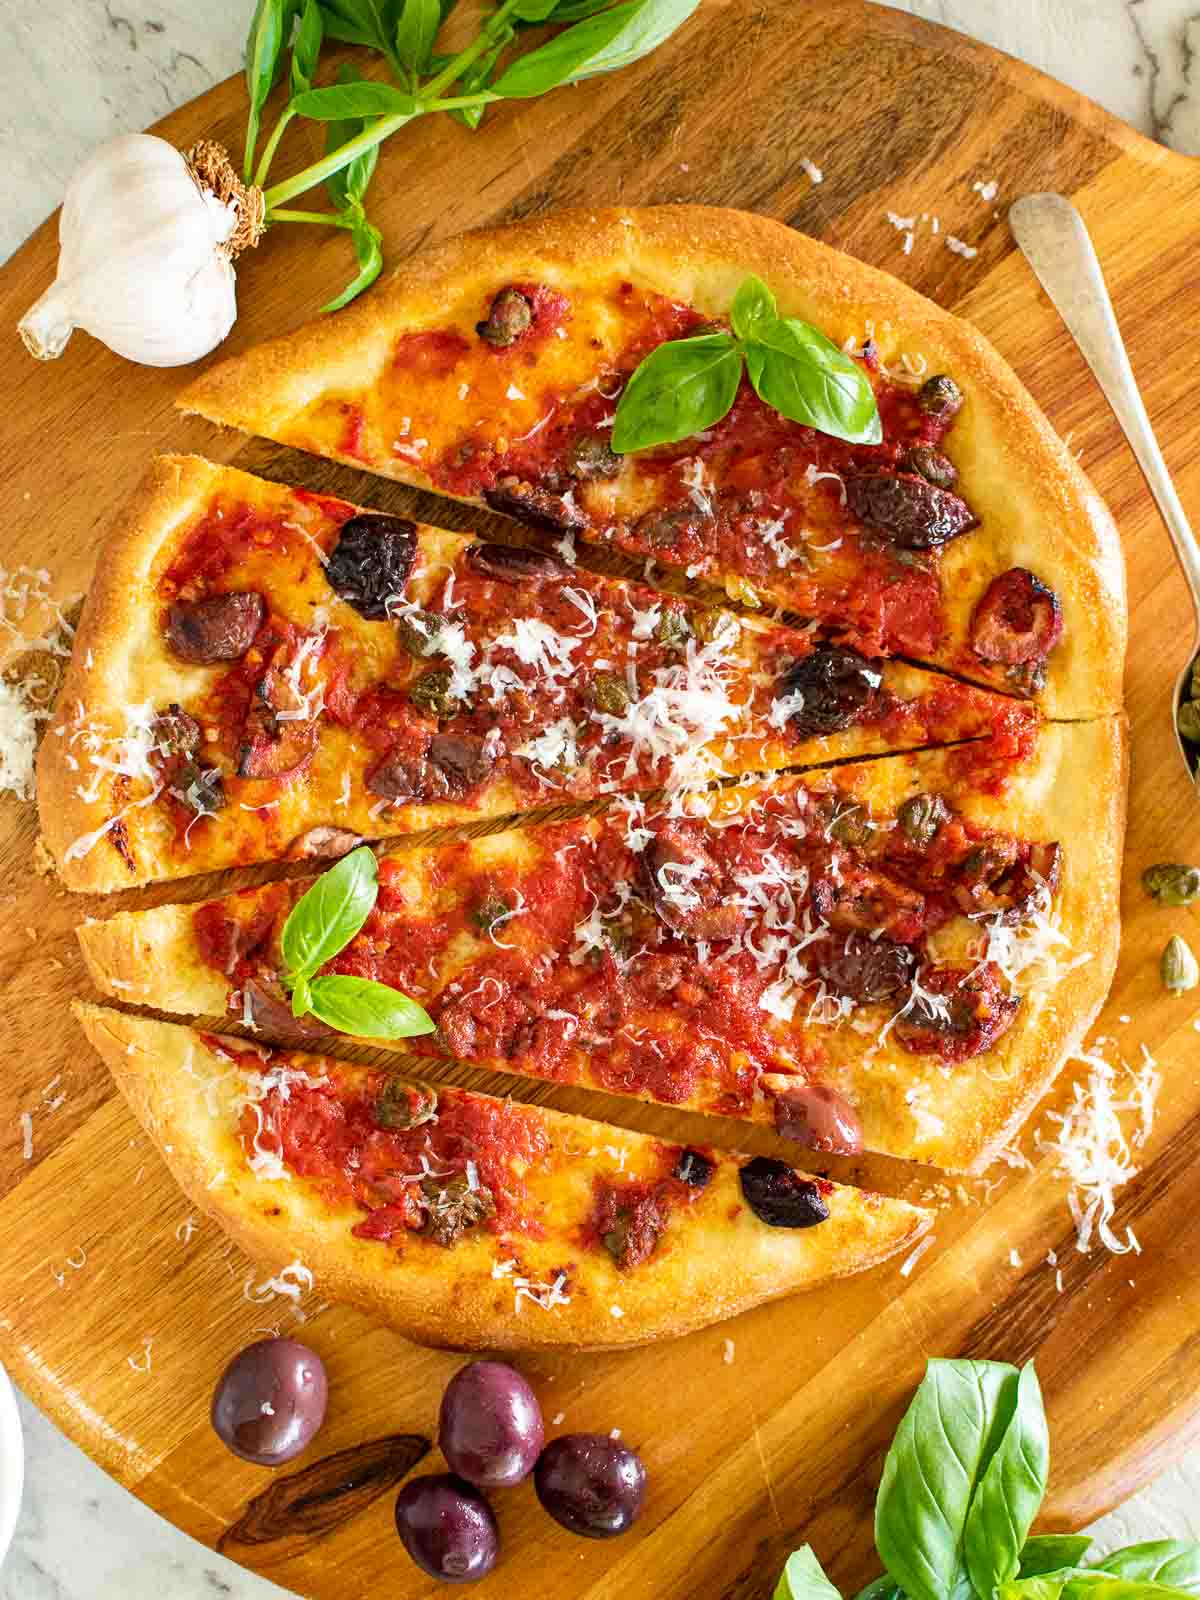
(1054, 240)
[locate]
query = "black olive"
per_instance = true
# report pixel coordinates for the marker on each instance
(221, 628)
(509, 316)
(175, 732)
(371, 562)
(913, 513)
(940, 397)
(662, 529)
(931, 465)
(866, 969)
(694, 1169)
(535, 506)
(515, 565)
(839, 689)
(780, 1197)
(403, 1107)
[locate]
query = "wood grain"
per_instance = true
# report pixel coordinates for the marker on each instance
(783, 1445)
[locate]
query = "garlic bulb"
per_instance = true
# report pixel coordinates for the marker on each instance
(144, 259)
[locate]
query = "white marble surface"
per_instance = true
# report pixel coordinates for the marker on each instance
(74, 71)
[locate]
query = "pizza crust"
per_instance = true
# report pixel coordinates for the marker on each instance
(715, 1261)
(1037, 506)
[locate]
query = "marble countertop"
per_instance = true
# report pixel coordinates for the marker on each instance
(72, 72)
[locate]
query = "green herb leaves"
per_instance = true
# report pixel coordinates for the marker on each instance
(603, 42)
(321, 923)
(264, 45)
(964, 1480)
(687, 385)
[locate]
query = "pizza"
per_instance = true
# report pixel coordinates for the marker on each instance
(474, 1223)
(895, 954)
(489, 368)
(261, 672)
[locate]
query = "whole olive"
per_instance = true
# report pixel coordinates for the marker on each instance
(490, 1428)
(592, 1484)
(270, 1401)
(448, 1528)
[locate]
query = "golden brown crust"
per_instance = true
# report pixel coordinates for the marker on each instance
(715, 1261)
(1038, 507)
(1071, 791)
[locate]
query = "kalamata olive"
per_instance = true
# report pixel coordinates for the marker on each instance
(867, 970)
(325, 840)
(270, 1401)
(992, 879)
(509, 316)
(513, 565)
(371, 562)
(630, 1221)
(939, 396)
(272, 1015)
(694, 1168)
(175, 732)
(221, 628)
(856, 899)
(448, 1528)
(814, 1115)
(956, 1012)
(663, 530)
(839, 688)
(780, 1197)
(454, 1205)
(688, 887)
(593, 1485)
(912, 512)
(403, 1105)
(1018, 619)
(591, 456)
(198, 785)
(490, 1428)
(449, 766)
(931, 465)
(535, 506)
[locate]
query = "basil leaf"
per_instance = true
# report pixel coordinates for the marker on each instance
(1087, 1583)
(941, 1450)
(576, 10)
(306, 49)
(370, 1010)
(1010, 1492)
(301, 999)
(1050, 1552)
(753, 306)
(601, 43)
(416, 30)
(1175, 1562)
(365, 98)
(368, 248)
(358, 22)
(884, 1588)
(534, 10)
(349, 183)
(264, 46)
(345, 32)
(805, 377)
(1044, 1586)
(679, 389)
(803, 1578)
(328, 915)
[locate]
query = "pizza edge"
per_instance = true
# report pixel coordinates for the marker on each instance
(441, 1300)
(699, 248)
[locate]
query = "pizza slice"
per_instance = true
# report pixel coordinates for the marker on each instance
(476, 1223)
(262, 672)
(490, 368)
(896, 954)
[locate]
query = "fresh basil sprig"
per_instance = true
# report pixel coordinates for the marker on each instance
(687, 385)
(321, 923)
(962, 1483)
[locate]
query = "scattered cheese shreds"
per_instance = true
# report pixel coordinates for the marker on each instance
(911, 1260)
(26, 1122)
(812, 169)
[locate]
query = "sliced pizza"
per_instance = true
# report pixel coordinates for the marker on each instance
(897, 954)
(490, 368)
(262, 672)
(476, 1223)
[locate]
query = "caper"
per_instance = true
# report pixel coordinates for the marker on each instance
(403, 1107)
(920, 818)
(744, 593)
(616, 935)
(430, 693)
(417, 632)
(1179, 967)
(939, 396)
(610, 693)
(850, 826)
(491, 912)
(591, 456)
(674, 630)
(1188, 721)
(1172, 884)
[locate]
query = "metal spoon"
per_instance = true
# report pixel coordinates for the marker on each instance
(1054, 240)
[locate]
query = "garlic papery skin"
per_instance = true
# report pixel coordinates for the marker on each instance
(143, 260)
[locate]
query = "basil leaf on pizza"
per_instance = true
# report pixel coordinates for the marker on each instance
(753, 307)
(806, 378)
(328, 915)
(361, 1006)
(680, 389)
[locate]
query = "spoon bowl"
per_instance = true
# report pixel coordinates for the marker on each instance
(1054, 240)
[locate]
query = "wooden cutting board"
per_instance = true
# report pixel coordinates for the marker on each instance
(117, 1318)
